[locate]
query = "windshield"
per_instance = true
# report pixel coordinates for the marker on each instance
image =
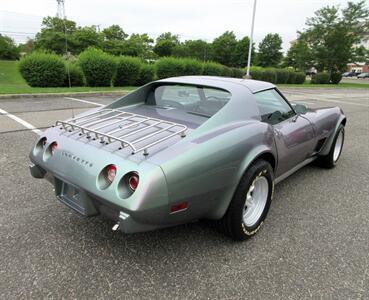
(192, 99)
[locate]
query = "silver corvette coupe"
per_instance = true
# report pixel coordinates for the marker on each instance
(183, 149)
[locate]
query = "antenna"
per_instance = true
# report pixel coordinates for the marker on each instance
(61, 11)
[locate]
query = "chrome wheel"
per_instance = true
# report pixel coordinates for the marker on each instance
(338, 146)
(256, 200)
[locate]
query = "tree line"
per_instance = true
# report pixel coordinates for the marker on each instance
(64, 36)
(329, 42)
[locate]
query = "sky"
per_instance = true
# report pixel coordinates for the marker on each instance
(190, 19)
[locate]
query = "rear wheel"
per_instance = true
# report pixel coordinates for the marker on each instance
(331, 159)
(250, 203)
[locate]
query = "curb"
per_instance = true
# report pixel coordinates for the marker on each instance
(76, 94)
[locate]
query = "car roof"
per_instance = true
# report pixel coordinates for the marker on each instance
(225, 83)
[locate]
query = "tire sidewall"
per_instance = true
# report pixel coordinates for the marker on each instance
(240, 230)
(341, 128)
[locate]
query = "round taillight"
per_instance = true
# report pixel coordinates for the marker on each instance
(110, 173)
(133, 182)
(53, 147)
(43, 142)
(40, 146)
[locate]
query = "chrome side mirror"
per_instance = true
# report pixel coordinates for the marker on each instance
(300, 108)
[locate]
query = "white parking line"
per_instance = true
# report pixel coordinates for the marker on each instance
(20, 121)
(84, 101)
(343, 102)
(304, 102)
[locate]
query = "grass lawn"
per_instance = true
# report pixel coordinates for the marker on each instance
(33, 90)
(9, 75)
(11, 82)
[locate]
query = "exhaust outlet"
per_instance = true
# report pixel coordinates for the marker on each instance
(115, 227)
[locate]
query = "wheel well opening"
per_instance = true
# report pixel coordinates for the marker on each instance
(269, 157)
(343, 122)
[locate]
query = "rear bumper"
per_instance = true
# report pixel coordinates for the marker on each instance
(36, 171)
(88, 205)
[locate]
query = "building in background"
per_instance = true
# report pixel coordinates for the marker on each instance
(360, 67)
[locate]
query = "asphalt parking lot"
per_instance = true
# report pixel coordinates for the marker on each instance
(314, 243)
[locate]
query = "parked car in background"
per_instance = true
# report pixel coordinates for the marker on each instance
(186, 148)
(310, 72)
(363, 75)
(350, 74)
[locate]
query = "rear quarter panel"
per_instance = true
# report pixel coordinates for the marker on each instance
(206, 171)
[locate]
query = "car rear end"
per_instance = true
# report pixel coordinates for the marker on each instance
(92, 179)
(111, 160)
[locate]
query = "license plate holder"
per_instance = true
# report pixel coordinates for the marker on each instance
(76, 199)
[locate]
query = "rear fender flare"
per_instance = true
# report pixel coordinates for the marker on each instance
(249, 158)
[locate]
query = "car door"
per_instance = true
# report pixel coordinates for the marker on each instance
(293, 134)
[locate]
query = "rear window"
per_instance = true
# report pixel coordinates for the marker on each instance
(192, 99)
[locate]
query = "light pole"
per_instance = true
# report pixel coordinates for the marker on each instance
(251, 39)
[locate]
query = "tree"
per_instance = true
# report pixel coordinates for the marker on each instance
(198, 49)
(114, 33)
(54, 33)
(27, 47)
(138, 45)
(115, 47)
(85, 37)
(224, 48)
(165, 43)
(299, 56)
(59, 25)
(8, 49)
(333, 36)
(114, 39)
(270, 47)
(242, 52)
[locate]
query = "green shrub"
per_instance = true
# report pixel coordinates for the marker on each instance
(336, 77)
(226, 71)
(320, 78)
(212, 69)
(291, 76)
(41, 69)
(192, 66)
(76, 75)
(269, 75)
(98, 67)
(255, 72)
(300, 77)
(147, 74)
(282, 75)
(169, 67)
(237, 73)
(128, 71)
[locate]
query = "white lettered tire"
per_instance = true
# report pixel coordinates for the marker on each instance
(250, 203)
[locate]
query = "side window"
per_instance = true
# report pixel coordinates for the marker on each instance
(273, 108)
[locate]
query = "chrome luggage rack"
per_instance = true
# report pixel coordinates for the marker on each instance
(114, 125)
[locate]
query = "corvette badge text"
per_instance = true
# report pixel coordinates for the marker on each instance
(77, 159)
